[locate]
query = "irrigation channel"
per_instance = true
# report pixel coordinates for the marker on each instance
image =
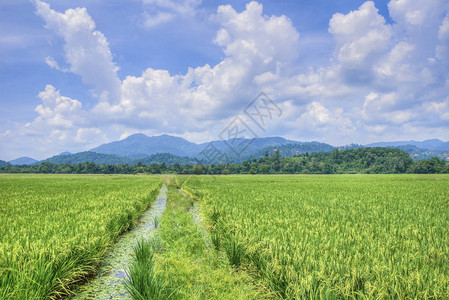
(109, 283)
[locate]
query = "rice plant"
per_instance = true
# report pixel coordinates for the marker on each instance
(142, 282)
(156, 221)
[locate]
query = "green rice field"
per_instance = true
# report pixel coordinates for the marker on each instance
(348, 236)
(231, 237)
(54, 230)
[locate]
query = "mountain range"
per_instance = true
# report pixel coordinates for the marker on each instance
(171, 150)
(434, 144)
(139, 145)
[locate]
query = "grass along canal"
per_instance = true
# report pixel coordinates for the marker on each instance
(181, 263)
(109, 282)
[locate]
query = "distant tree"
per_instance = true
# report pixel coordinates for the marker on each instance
(263, 169)
(43, 169)
(429, 166)
(355, 160)
(253, 170)
(335, 154)
(177, 168)
(198, 169)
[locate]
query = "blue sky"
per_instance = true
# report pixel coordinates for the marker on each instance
(76, 74)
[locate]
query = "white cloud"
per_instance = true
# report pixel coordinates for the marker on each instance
(411, 13)
(157, 12)
(89, 136)
(321, 117)
(418, 22)
(255, 45)
(52, 63)
(438, 110)
(57, 110)
(250, 35)
(442, 50)
(86, 49)
(362, 36)
(61, 125)
(154, 20)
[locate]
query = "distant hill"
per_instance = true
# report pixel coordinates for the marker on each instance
(356, 160)
(421, 153)
(3, 163)
(139, 145)
(238, 149)
(287, 150)
(23, 161)
(434, 144)
(176, 150)
(166, 158)
(109, 159)
(351, 146)
(88, 156)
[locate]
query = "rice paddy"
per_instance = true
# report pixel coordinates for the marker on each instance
(230, 237)
(381, 236)
(54, 230)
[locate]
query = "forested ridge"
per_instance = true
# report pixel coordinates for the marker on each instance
(373, 160)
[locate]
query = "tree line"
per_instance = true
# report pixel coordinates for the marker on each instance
(375, 160)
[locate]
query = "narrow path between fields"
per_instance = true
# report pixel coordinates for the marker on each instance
(109, 283)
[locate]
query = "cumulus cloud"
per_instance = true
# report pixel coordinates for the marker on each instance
(389, 74)
(323, 118)
(56, 110)
(255, 46)
(86, 49)
(250, 35)
(61, 125)
(193, 104)
(361, 36)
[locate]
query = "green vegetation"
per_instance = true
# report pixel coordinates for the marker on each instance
(143, 282)
(88, 156)
(430, 166)
(295, 149)
(181, 264)
(293, 237)
(420, 153)
(110, 159)
(350, 161)
(348, 236)
(54, 230)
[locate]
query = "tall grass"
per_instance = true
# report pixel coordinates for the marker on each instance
(187, 268)
(55, 229)
(142, 282)
(377, 236)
